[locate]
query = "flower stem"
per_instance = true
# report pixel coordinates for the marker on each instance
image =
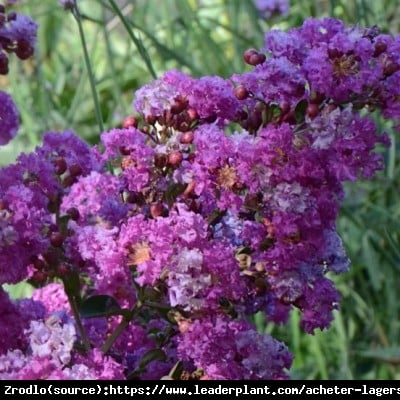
(126, 319)
(81, 329)
(138, 43)
(99, 118)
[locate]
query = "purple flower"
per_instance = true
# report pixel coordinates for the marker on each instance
(14, 319)
(18, 35)
(100, 366)
(233, 350)
(96, 197)
(52, 297)
(211, 96)
(78, 156)
(268, 8)
(9, 118)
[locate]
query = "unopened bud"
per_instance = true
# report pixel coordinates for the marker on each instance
(130, 122)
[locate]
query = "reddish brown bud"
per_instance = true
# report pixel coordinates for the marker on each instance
(24, 50)
(11, 16)
(187, 137)
(130, 122)
(124, 151)
(379, 48)
(248, 53)
(60, 165)
(254, 121)
(312, 110)
(75, 170)
(3, 204)
(63, 270)
(179, 105)
(39, 277)
(56, 239)
(175, 158)
(68, 181)
(390, 68)
(256, 59)
(156, 210)
(3, 64)
(192, 114)
(260, 286)
(241, 92)
(160, 160)
(151, 119)
(334, 53)
(51, 256)
(73, 213)
(39, 264)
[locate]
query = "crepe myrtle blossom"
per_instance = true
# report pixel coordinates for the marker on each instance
(18, 34)
(9, 118)
(217, 200)
(269, 8)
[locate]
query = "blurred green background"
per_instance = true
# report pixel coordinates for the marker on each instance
(207, 37)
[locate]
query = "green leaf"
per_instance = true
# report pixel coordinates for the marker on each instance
(300, 110)
(100, 306)
(150, 356)
(390, 355)
(372, 260)
(72, 285)
(176, 371)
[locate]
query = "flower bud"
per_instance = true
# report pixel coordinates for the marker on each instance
(248, 53)
(156, 210)
(60, 165)
(379, 48)
(75, 170)
(160, 160)
(56, 239)
(175, 158)
(73, 213)
(179, 105)
(130, 122)
(312, 110)
(241, 92)
(187, 137)
(192, 114)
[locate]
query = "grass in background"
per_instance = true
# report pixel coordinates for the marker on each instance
(208, 37)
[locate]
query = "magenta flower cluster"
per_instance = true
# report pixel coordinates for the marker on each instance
(219, 199)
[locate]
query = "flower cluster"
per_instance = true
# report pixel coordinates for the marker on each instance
(217, 201)
(17, 35)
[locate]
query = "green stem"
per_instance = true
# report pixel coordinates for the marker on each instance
(81, 329)
(127, 319)
(138, 43)
(116, 89)
(78, 19)
(119, 329)
(114, 336)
